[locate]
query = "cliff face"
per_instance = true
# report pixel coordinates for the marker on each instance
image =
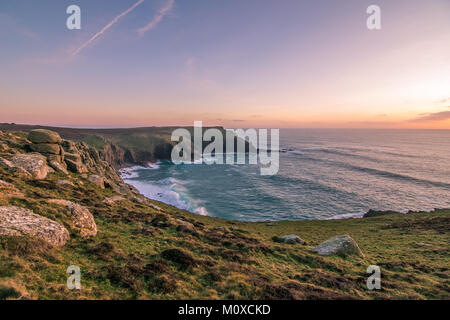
(122, 147)
(119, 156)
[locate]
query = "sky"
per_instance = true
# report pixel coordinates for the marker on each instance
(234, 63)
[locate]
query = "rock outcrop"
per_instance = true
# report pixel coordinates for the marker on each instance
(375, 213)
(82, 218)
(292, 239)
(38, 136)
(16, 221)
(33, 163)
(4, 147)
(65, 183)
(48, 143)
(340, 245)
(97, 180)
(6, 163)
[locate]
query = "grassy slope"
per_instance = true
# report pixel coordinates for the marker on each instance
(219, 259)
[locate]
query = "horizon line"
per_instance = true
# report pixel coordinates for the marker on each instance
(210, 126)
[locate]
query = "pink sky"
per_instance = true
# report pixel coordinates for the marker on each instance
(252, 64)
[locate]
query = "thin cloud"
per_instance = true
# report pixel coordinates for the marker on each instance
(444, 100)
(436, 116)
(157, 18)
(105, 28)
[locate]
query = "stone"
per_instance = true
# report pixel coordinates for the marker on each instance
(6, 163)
(97, 180)
(375, 213)
(184, 226)
(72, 156)
(340, 245)
(21, 173)
(16, 221)
(33, 163)
(69, 146)
(55, 157)
(113, 199)
(44, 136)
(46, 148)
(58, 167)
(82, 218)
(76, 167)
(121, 189)
(292, 239)
(65, 183)
(4, 147)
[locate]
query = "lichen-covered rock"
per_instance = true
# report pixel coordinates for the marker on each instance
(58, 166)
(292, 239)
(44, 136)
(72, 156)
(21, 173)
(6, 163)
(69, 146)
(46, 148)
(341, 245)
(121, 189)
(76, 167)
(56, 157)
(65, 183)
(184, 226)
(82, 218)
(97, 180)
(33, 163)
(16, 221)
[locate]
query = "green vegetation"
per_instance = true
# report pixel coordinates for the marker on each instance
(150, 250)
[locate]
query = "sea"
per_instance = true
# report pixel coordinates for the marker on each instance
(323, 174)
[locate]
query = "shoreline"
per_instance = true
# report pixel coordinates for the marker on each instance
(129, 170)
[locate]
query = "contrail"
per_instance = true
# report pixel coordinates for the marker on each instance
(109, 25)
(156, 19)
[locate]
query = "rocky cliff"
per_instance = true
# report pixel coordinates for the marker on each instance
(119, 147)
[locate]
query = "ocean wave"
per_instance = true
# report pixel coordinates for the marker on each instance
(352, 152)
(345, 216)
(132, 172)
(399, 176)
(380, 172)
(169, 190)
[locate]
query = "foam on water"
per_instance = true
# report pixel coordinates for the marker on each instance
(325, 174)
(169, 190)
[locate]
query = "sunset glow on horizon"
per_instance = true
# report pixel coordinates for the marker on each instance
(295, 64)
